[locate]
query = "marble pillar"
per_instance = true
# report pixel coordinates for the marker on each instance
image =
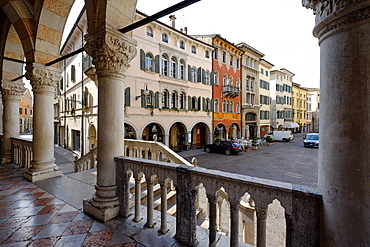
(112, 52)
(11, 93)
(43, 80)
(343, 30)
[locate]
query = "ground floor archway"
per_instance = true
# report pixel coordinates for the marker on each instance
(130, 132)
(178, 137)
(234, 131)
(153, 129)
(199, 135)
(220, 132)
(92, 137)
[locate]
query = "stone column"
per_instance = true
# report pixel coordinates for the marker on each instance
(212, 219)
(43, 81)
(261, 213)
(11, 94)
(111, 52)
(234, 225)
(343, 29)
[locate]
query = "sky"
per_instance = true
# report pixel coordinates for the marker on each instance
(280, 29)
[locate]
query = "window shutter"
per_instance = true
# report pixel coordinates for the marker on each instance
(61, 84)
(212, 105)
(157, 64)
(203, 103)
(86, 97)
(156, 102)
(142, 59)
(212, 79)
(189, 103)
(143, 99)
(189, 73)
(203, 76)
(199, 74)
(73, 73)
(127, 96)
(199, 103)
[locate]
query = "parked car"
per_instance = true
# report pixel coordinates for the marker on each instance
(224, 147)
(311, 140)
(284, 135)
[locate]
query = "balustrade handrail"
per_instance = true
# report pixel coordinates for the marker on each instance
(301, 204)
(22, 151)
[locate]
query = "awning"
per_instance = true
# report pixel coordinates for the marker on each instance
(291, 125)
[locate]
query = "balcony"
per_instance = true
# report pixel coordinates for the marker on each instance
(230, 91)
(182, 203)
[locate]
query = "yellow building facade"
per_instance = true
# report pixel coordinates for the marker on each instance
(300, 106)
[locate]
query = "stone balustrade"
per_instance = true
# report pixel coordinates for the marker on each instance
(22, 151)
(151, 150)
(301, 205)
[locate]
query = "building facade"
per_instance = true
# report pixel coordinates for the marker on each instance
(265, 98)
(25, 112)
(300, 106)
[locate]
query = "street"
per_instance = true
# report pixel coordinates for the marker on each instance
(284, 161)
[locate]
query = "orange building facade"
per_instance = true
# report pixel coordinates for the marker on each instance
(25, 112)
(226, 91)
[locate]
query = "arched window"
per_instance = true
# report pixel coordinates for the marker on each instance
(149, 98)
(165, 99)
(182, 45)
(225, 80)
(149, 62)
(237, 107)
(194, 103)
(231, 82)
(193, 74)
(238, 83)
(164, 65)
(216, 78)
(206, 54)
(174, 100)
(231, 106)
(149, 31)
(224, 106)
(182, 100)
(193, 49)
(216, 105)
(208, 105)
(165, 37)
(173, 67)
(206, 78)
(182, 70)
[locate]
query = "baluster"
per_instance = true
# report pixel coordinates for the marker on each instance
(234, 227)
(261, 226)
(137, 197)
(164, 227)
(149, 221)
(212, 219)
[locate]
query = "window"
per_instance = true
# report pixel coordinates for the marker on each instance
(247, 61)
(237, 63)
(216, 105)
(149, 63)
(267, 73)
(224, 106)
(237, 107)
(193, 50)
(165, 37)
(238, 83)
(182, 45)
(149, 98)
(20, 111)
(193, 74)
(174, 100)
(224, 57)
(231, 61)
(225, 80)
(216, 78)
(231, 106)
(165, 99)
(173, 67)
(231, 82)
(182, 101)
(164, 65)
(262, 71)
(215, 54)
(206, 78)
(182, 70)
(73, 73)
(149, 31)
(206, 54)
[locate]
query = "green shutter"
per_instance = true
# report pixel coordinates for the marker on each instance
(86, 97)
(142, 59)
(212, 105)
(127, 96)
(212, 79)
(189, 73)
(199, 74)
(203, 76)
(199, 103)
(143, 99)
(157, 64)
(189, 103)
(203, 103)
(156, 100)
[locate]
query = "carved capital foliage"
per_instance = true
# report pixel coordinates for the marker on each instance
(42, 77)
(333, 14)
(110, 50)
(12, 90)
(261, 213)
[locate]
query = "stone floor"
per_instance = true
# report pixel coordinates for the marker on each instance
(32, 216)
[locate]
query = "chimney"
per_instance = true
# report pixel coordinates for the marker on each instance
(172, 20)
(186, 30)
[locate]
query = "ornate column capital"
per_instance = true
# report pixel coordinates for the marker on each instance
(12, 90)
(43, 78)
(333, 15)
(110, 50)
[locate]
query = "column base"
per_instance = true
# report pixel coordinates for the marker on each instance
(6, 158)
(103, 214)
(34, 176)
